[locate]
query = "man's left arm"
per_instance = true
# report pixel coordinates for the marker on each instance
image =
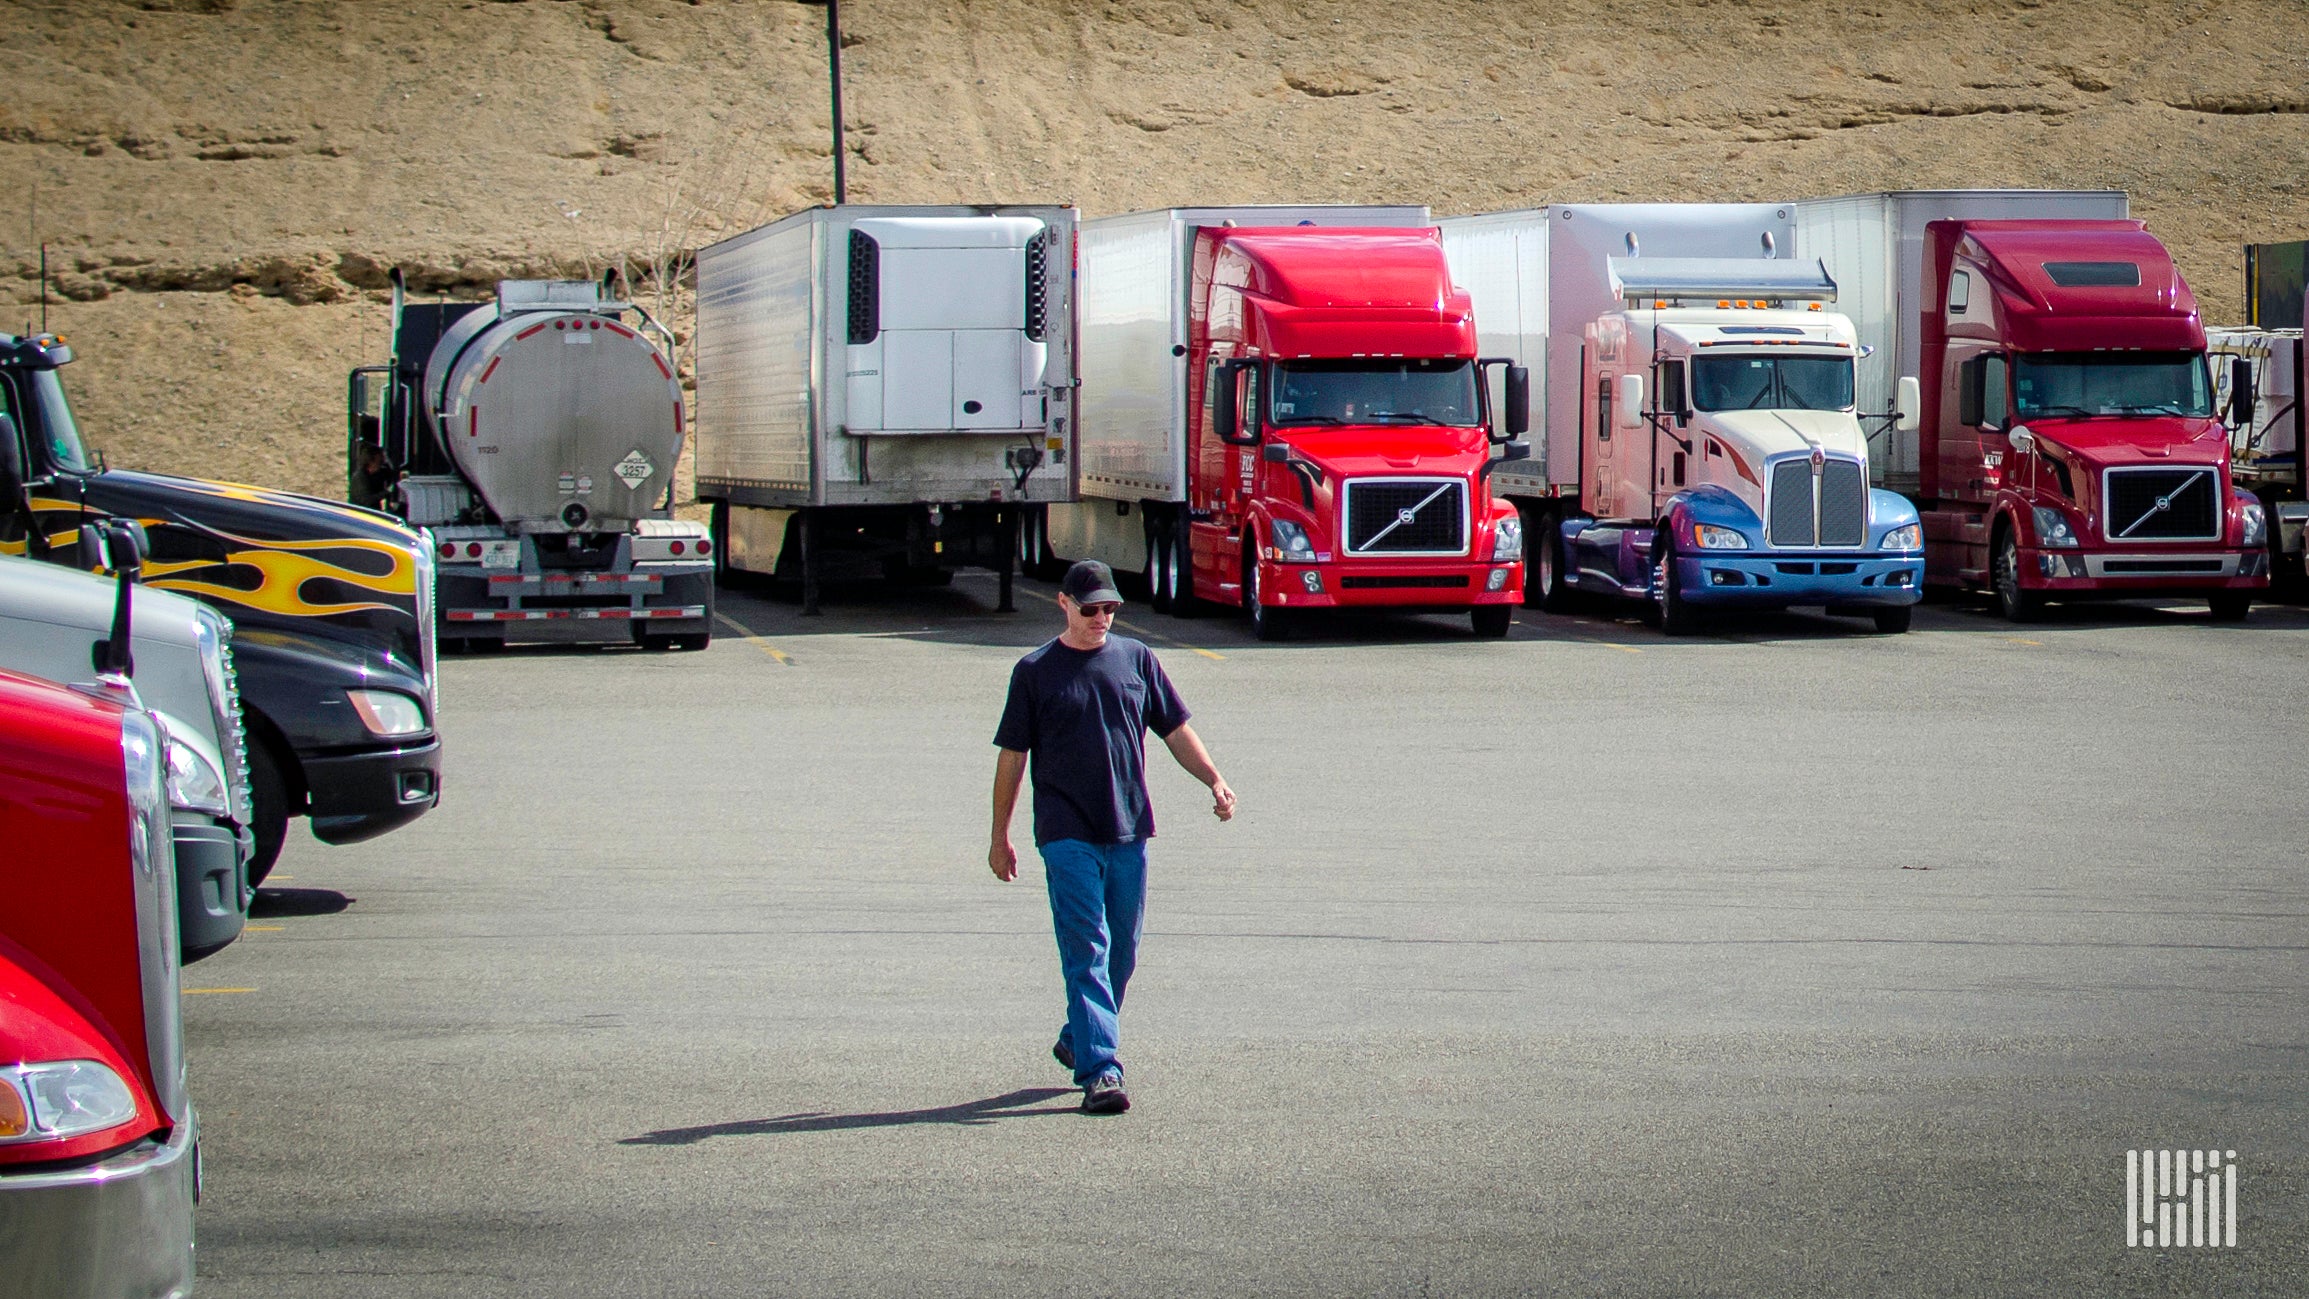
(1187, 748)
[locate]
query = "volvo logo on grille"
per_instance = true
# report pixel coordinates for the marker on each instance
(1406, 515)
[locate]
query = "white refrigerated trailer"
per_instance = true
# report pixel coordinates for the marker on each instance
(1137, 275)
(881, 389)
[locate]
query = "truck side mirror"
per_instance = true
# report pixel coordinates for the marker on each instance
(1226, 402)
(1515, 451)
(1518, 403)
(11, 464)
(1631, 401)
(2241, 396)
(1910, 413)
(94, 553)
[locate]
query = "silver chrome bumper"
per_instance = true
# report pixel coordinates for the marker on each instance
(118, 1227)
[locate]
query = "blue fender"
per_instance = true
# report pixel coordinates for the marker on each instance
(1886, 511)
(1717, 507)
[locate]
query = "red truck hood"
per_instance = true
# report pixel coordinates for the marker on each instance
(38, 1025)
(2144, 440)
(1356, 451)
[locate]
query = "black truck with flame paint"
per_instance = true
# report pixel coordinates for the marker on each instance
(331, 608)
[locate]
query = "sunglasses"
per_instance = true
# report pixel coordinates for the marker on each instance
(1099, 610)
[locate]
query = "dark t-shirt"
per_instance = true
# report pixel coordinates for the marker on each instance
(1083, 715)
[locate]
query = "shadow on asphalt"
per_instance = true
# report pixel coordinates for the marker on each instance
(969, 1114)
(270, 903)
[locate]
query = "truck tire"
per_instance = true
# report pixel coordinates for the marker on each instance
(1491, 621)
(1267, 622)
(2231, 606)
(1892, 622)
(269, 797)
(1677, 618)
(1179, 571)
(2016, 602)
(1549, 587)
(1160, 580)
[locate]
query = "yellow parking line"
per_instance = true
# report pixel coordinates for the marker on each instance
(194, 992)
(2018, 641)
(262, 929)
(1624, 649)
(753, 638)
(1134, 627)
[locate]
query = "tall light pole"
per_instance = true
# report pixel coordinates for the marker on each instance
(834, 68)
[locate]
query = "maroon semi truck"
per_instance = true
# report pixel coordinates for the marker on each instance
(2070, 448)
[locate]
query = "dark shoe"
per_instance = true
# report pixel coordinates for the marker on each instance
(1062, 1053)
(1105, 1096)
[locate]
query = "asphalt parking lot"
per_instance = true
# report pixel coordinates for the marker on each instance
(1791, 960)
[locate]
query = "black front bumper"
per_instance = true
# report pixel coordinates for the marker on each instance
(359, 796)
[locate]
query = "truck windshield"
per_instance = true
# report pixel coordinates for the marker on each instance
(2104, 383)
(57, 426)
(1367, 391)
(1771, 383)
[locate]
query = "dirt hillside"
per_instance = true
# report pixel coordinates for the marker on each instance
(222, 184)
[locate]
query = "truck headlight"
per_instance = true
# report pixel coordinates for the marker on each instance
(1712, 537)
(2256, 524)
(1906, 537)
(2052, 527)
(1291, 542)
(194, 783)
(66, 1098)
(387, 712)
(1507, 541)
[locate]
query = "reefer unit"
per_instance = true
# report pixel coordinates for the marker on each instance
(884, 384)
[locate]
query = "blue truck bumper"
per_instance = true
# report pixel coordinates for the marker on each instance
(1727, 580)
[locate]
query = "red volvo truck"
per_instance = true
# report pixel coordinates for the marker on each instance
(1283, 410)
(2070, 447)
(99, 1167)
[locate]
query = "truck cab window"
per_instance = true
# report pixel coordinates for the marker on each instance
(1994, 400)
(1772, 383)
(1603, 409)
(58, 429)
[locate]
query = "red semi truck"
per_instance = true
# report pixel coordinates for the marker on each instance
(2070, 447)
(1290, 402)
(99, 1168)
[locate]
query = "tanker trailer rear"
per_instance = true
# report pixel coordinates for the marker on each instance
(883, 391)
(534, 436)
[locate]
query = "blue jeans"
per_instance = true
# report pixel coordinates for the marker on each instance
(1098, 907)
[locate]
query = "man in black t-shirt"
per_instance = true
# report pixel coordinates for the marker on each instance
(1080, 706)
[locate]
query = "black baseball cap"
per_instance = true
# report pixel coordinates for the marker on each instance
(1090, 582)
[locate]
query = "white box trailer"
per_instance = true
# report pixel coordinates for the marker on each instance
(1873, 246)
(880, 389)
(1136, 274)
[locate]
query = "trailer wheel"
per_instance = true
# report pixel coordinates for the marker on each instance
(1892, 622)
(1179, 571)
(269, 799)
(2016, 602)
(1267, 622)
(1677, 618)
(1161, 580)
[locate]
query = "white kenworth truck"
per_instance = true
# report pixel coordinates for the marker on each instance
(1702, 446)
(534, 437)
(882, 391)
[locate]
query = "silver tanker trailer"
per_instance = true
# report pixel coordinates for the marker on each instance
(533, 437)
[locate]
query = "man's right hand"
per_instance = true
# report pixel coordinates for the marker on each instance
(1003, 860)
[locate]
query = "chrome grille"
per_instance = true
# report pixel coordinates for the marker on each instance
(1406, 516)
(1791, 507)
(1843, 504)
(2177, 504)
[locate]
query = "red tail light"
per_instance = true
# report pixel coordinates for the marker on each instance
(678, 548)
(473, 550)
(448, 550)
(705, 547)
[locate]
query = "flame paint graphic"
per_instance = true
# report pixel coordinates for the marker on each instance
(283, 568)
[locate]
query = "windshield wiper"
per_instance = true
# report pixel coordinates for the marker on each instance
(2152, 408)
(2054, 408)
(1404, 417)
(1309, 419)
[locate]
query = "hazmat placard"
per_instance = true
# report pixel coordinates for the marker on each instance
(635, 469)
